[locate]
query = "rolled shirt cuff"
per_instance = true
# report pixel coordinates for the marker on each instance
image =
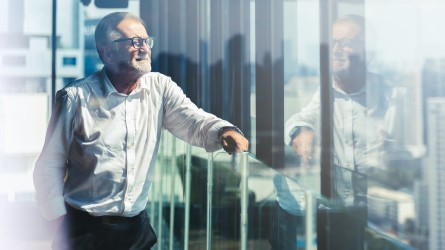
(213, 142)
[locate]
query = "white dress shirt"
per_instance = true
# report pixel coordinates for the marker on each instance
(362, 123)
(106, 143)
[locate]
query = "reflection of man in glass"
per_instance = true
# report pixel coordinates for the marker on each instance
(363, 116)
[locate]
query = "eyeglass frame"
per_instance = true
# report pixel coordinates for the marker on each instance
(346, 42)
(149, 41)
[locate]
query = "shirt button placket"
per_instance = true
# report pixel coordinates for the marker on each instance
(349, 134)
(131, 152)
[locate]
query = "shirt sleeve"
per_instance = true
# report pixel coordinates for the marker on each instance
(188, 122)
(50, 167)
(309, 116)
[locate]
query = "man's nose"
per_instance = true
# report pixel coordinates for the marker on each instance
(336, 47)
(145, 49)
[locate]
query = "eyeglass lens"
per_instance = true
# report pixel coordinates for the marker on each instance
(138, 42)
(343, 43)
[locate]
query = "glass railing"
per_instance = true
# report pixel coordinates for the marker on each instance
(203, 200)
(215, 200)
(258, 196)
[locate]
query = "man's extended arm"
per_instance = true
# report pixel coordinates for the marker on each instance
(195, 126)
(309, 117)
(301, 127)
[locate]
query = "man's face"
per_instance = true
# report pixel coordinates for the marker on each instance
(126, 59)
(347, 47)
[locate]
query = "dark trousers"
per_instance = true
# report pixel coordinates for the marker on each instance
(81, 231)
(339, 229)
(283, 231)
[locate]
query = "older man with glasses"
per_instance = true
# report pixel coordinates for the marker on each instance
(96, 167)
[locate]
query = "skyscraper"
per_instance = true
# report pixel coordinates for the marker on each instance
(434, 171)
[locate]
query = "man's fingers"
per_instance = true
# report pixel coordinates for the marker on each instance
(304, 153)
(232, 144)
(229, 144)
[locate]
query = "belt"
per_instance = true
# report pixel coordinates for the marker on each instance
(107, 219)
(111, 220)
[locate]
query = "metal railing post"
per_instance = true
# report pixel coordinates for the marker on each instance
(188, 163)
(309, 219)
(160, 191)
(244, 199)
(172, 192)
(209, 200)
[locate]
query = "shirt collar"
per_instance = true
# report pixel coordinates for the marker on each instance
(108, 88)
(106, 85)
(362, 90)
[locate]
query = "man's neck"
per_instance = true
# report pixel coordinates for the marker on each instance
(351, 83)
(123, 83)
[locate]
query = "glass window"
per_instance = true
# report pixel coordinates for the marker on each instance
(342, 98)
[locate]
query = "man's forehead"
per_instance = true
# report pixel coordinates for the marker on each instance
(346, 29)
(131, 27)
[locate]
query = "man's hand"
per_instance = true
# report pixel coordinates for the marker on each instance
(233, 141)
(303, 145)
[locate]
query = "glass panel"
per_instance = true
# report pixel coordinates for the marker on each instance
(237, 59)
(385, 101)
(166, 205)
(260, 197)
(194, 160)
(301, 91)
(258, 206)
(404, 187)
(228, 202)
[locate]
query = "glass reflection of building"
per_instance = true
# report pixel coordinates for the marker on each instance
(434, 172)
(253, 63)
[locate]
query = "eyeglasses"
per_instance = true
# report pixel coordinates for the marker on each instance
(138, 42)
(345, 43)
